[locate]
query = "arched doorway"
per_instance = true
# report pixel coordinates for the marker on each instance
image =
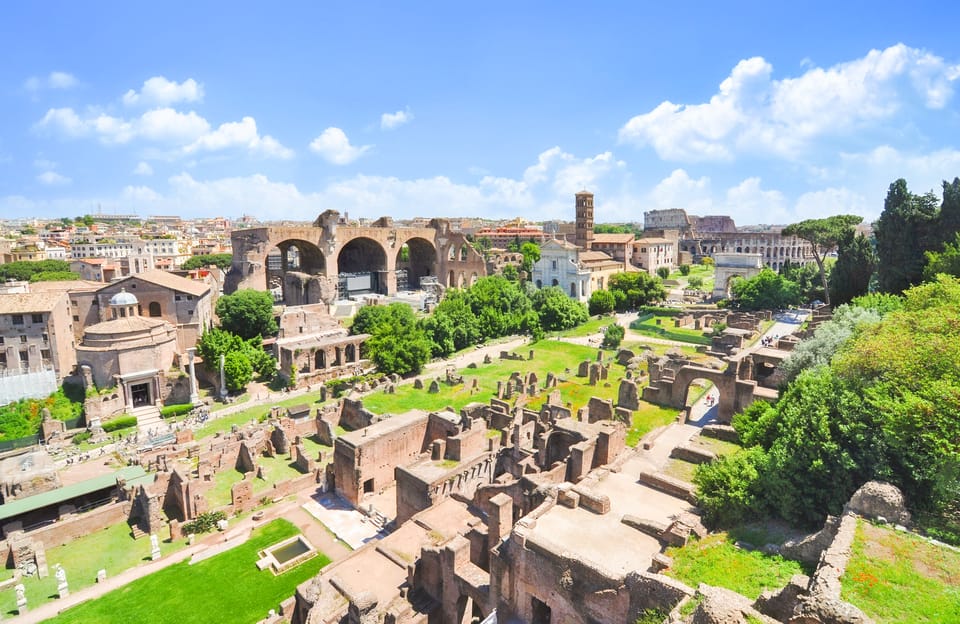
(292, 255)
(363, 268)
(417, 258)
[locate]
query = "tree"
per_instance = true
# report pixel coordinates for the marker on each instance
(612, 336)
(823, 235)
(54, 276)
(856, 262)
(904, 232)
(558, 311)
(684, 269)
(946, 261)
(695, 282)
(216, 342)
(453, 325)
(807, 279)
(707, 261)
(601, 302)
(247, 313)
(501, 308)
(223, 261)
(398, 343)
(663, 272)
(948, 225)
(531, 255)
(237, 371)
(827, 339)
(636, 289)
(24, 270)
(765, 291)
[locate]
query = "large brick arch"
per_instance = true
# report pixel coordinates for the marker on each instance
(326, 238)
(735, 394)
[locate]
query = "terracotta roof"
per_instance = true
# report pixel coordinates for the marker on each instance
(594, 256)
(24, 303)
(65, 286)
(654, 241)
(613, 238)
(171, 281)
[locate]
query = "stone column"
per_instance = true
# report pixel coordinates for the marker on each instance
(223, 379)
(129, 393)
(194, 393)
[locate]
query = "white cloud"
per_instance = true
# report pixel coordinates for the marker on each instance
(832, 201)
(389, 121)
(334, 146)
(158, 91)
(752, 113)
(241, 134)
(140, 194)
(188, 131)
(52, 178)
(54, 80)
(679, 190)
(752, 204)
(143, 169)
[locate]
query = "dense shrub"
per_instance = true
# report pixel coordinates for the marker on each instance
(120, 423)
(612, 336)
(177, 409)
(204, 522)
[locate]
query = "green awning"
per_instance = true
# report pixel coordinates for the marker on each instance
(68, 492)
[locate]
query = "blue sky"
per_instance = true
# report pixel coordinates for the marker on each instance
(767, 112)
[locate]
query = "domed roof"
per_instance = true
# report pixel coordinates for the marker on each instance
(123, 298)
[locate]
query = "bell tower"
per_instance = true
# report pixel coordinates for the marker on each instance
(584, 235)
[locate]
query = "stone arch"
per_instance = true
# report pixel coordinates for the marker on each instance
(539, 283)
(452, 279)
(154, 309)
(362, 265)
(464, 253)
(421, 260)
(350, 353)
(462, 279)
(573, 290)
(555, 282)
(319, 360)
(473, 278)
(452, 252)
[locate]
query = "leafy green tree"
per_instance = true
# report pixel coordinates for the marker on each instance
(237, 371)
(23, 270)
(663, 272)
(827, 339)
(856, 262)
(637, 288)
(531, 255)
(695, 282)
(946, 261)
(807, 279)
(823, 235)
(601, 302)
(223, 261)
(558, 311)
(707, 261)
(247, 313)
(729, 489)
(765, 291)
(483, 245)
(501, 308)
(948, 223)
(612, 336)
(453, 325)
(511, 272)
(397, 343)
(54, 276)
(904, 232)
(881, 303)
(684, 269)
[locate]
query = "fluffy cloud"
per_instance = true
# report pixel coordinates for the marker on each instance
(334, 146)
(167, 126)
(143, 169)
(52, 178)
(389, 121)
(679, 190)
(55, 80)
(158, 91)
(241, 134)
(752, 113)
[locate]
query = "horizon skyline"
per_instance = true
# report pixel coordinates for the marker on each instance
(769, 115)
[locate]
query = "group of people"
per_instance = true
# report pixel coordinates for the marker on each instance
(769, 340)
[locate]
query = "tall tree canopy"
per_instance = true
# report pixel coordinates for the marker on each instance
(904, 232)
(823, 235)
(558, 311)
(634, 289)
(247, 313)
(946, 261)
(856, 262)
(765, 291)
(948, 226)
(397, 343)
(202, 261)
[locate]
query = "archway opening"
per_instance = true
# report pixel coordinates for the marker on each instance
(363, 268)
(702, 401)
(292, 255)
(417, 258)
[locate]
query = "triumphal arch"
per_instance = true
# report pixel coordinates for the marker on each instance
(332, 260)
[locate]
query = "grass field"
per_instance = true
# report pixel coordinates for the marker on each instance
(592, 326)
(716, 561)
(667, 331)
(648, 418)
(227, 587)
(112, 549)
(898, 577)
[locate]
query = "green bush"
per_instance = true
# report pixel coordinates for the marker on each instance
(204, 523)
(659, 310)
(612, 336)
(81, 437)
(177, 409)
(684, 269)
(120, 423)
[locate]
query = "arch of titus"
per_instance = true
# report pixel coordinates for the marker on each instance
(330, 260)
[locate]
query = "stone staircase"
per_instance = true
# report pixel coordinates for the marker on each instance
(149, 422)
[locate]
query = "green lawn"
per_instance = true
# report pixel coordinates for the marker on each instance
(667, 331)
(227, 587)
(898, 577)
(278, 469)
(242, 417)
(716, 561)
(680, 469)
(589, 328)
(648, 418)
(112, 549)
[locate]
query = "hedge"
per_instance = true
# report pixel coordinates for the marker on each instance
(120, 423)
(177, 409)
(660, 311)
